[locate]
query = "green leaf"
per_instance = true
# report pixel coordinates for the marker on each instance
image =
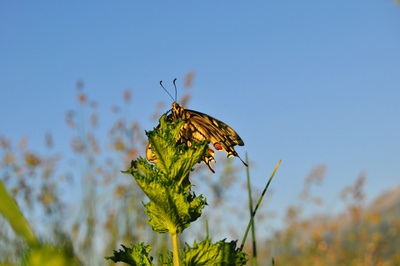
(172, 206)
(167, 260)
(136, 255)
(171, 210)
(11, 212)
(163, 143)
(208, 253)
(173, 160)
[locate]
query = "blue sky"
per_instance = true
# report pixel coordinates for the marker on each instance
(308, 82)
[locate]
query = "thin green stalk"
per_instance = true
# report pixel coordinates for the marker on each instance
(258, 205)
(207, 235)
(175, 249)
(253, 234)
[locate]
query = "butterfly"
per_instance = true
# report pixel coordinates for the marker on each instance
(200, 127)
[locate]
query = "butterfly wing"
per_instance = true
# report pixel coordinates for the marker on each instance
(200, 127)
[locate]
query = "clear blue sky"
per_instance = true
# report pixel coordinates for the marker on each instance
(308, 82)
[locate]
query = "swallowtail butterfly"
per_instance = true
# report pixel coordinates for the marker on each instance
(200, 127)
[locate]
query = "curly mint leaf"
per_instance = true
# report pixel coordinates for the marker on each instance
(167, 260)
(172, 206)
(176, 161)
(163, 142)
(208, 253)
(136, 255)
(171, 210)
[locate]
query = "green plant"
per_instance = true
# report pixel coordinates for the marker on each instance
(173, 206)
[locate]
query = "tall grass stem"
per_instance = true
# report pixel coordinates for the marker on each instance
(258, 205)
(253, 234)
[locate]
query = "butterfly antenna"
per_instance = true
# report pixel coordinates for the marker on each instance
(176, 91)
(167, 91)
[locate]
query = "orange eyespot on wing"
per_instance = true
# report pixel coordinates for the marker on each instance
(218, 146)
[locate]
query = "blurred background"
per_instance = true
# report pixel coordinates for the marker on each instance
(314, 84)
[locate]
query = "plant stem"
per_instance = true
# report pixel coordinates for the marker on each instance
(175, 249)
(258, 205)
(253, 229)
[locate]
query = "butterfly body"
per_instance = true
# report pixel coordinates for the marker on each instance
(200, 127)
